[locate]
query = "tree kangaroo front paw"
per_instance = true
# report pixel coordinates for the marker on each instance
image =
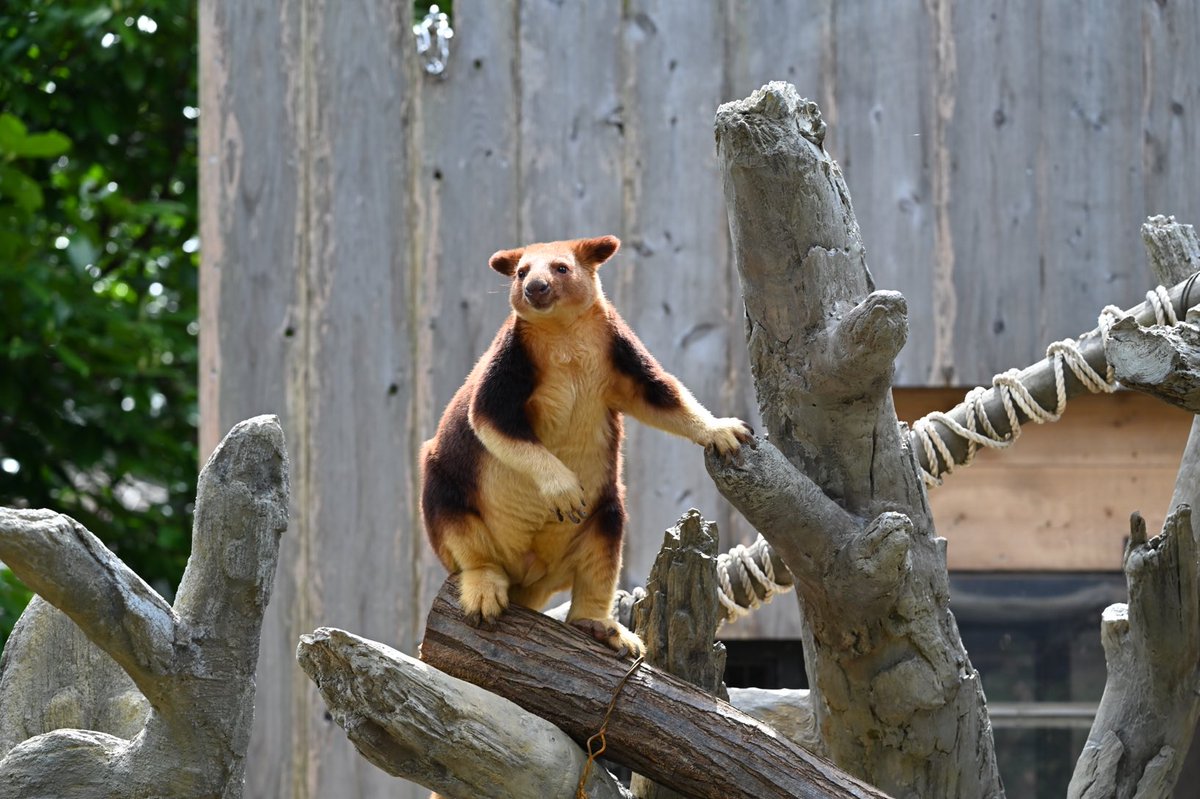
(566, 498)
(726, 435)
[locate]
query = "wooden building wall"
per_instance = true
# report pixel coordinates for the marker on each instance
(1001, 157)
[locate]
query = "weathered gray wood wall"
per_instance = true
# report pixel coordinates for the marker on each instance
(1000, 155)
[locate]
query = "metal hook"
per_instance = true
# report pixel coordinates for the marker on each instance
(433, 40)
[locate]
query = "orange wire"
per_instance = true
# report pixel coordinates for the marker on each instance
(587, 767)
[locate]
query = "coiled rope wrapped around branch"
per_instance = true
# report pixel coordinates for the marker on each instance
(992, 417)
(751, 576)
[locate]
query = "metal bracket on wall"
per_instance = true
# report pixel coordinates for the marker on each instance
(433, 35)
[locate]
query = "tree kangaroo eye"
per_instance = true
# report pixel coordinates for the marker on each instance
(561, 269)
(522, 272)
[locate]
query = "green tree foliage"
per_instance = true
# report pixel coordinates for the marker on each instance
(98, 271)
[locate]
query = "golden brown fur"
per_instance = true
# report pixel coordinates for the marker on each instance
(521, 485)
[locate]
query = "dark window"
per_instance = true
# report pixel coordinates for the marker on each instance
(1035, 641)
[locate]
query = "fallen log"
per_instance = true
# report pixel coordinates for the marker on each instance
(415, 722)
(660, 726)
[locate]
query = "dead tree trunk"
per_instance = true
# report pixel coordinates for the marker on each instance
(194, 662)
(1148, 713)
(1151, 702)
(836, 490)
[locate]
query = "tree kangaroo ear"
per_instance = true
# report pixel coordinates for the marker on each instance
(594, 252)
(505, 261)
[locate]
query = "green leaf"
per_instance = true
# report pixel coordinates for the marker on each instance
(16, 141)
(12, 133)
(72, 360)
(20, 189)
(44, 145)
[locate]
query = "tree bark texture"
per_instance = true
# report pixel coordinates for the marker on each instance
(1161, 361)
(836, 490)
(660, 726)
(1151, 700)
(1173, 250)
(679, 616)
(52, 677)
(415, 722)
(193, 662)
(788, 710)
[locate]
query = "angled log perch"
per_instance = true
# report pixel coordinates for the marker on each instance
(193, 661)
(415, 722)
(661, 727)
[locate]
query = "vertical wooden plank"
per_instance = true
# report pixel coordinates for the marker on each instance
(1170, 170)
(358, 569)
(770, 40)
(571, 119)
(252, 296)
(307, 261)
(673, 281)
(249, 211)
(1090, 203)
(466, 187)
(884, 69)
(993, 190)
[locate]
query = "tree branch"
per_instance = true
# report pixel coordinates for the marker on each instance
(195, 663)
(1163, 362)
(68, 566)
(661, 727)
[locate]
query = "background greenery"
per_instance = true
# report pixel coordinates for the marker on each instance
(98, 273)
(98, 268)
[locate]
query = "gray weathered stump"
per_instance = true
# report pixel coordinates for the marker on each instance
(679, 617)
(1151, 700)
(836, 491)
(194, 662)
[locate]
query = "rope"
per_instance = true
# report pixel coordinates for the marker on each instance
(580, 793)
(979, 431)
(751, 576)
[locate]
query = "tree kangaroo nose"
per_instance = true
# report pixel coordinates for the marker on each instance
(536, 287)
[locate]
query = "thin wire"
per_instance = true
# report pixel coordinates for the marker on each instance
(592, 755)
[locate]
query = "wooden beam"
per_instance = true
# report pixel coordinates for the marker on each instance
(660, 726)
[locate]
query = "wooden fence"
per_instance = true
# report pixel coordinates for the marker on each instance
(1001, 157)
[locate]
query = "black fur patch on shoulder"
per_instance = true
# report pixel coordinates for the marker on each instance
(631, 358)
(507, 385)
